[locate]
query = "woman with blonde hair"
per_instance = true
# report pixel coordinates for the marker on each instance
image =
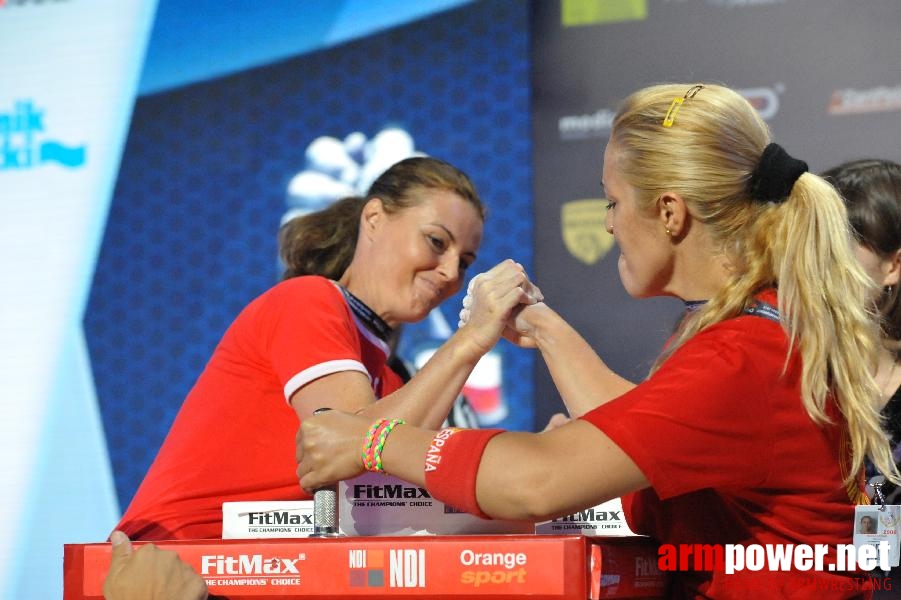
(753, 425)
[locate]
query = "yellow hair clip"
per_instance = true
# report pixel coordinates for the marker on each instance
(671, 113)
(677, 104)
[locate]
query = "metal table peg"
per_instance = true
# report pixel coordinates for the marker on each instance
(325, 507)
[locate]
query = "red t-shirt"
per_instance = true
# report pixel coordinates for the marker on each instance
(732, 457)
(233, 439)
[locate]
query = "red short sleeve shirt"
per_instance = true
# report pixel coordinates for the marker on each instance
(732, 456)
(233, 438)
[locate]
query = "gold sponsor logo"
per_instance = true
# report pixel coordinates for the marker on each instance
(584, 234)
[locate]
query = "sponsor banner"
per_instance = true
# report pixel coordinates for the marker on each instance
(473, 566)
(375, 504)
(251, 520)
(765, 99)
(585, 61)
(605, 519)
(874, 100)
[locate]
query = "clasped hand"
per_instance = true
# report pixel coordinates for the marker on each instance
(502, 297)
(329, 445)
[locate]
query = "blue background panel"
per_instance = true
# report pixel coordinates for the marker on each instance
(191, 235)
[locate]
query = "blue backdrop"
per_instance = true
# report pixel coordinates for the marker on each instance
(190, 237)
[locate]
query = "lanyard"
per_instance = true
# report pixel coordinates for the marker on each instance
(370, 319)
(758, 309)
(763, 309)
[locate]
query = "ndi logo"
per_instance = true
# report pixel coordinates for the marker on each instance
(24, 144)
(406, 568)
(367, 568)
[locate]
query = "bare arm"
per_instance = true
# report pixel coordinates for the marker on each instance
(425, 400)
(522, 476)
(536, 477)
(583, 380)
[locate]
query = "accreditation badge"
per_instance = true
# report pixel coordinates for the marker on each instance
(877, 525)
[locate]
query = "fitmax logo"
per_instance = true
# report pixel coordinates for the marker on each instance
(593, 515)
(368, 491)
(278, 518)
(246, 564)
(23, 144)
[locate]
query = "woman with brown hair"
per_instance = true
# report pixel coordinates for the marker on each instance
(320, 338)
(871, 189)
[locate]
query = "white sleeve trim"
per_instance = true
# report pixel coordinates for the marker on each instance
(321, 370)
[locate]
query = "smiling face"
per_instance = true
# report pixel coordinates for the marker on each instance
(645, 260)
(418, 257)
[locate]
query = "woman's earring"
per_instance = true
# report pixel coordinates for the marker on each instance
(668, 232)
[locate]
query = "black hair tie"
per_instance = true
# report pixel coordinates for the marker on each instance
(775, 175)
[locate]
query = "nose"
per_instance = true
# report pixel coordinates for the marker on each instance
(449, 268)
(608, 222)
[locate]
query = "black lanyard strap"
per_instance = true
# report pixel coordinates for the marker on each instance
(370, 319)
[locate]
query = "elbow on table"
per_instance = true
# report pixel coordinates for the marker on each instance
(527, 499)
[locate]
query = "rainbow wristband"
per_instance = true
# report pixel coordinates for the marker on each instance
(452, 464)
(369, 442)
(374, 443)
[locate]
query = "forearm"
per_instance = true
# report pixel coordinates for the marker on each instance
(520, 476)
(404, 453)
(428, 397)
(583, 380)
(527, 477)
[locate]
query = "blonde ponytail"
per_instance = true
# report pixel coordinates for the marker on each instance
(803, 246)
